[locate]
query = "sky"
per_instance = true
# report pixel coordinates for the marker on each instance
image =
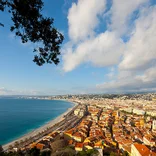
(109, 47)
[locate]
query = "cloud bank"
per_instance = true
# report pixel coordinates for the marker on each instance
(127, 41)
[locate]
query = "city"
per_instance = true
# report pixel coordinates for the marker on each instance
(123, 125)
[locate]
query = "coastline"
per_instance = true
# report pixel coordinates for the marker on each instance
(44, 127)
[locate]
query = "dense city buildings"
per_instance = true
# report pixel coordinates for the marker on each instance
(109, 124)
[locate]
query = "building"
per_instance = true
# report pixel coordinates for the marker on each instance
(149, 140)
(79, 146)
(76, 111)
(81, 113)
(141, 150)
(154, 125)
(138, 111)
(78, 137)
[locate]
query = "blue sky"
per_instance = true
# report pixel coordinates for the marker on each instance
(108, 47)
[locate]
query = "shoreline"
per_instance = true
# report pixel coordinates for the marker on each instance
(50, 123)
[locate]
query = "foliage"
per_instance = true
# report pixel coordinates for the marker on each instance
(132, 123)
(65, 152)
(45, 153)
(82, 153)
(113, 154)
(58, 144)
(16, 144)
(89, 152)
(13, 153)
(33, 152)
(10, 147)
(106, 153)
(30, 25)
(109, 152)
(125, 153)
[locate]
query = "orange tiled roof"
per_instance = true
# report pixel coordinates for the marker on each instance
(143, 150)
(33, 145)
(70, 142)
(127, 142)
(127, 148)
(79, 145)
(69, 131)
(149, 138)
(40, 146)
(77, 134)
(98, 143)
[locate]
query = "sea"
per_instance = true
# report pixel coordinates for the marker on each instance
(21, 116)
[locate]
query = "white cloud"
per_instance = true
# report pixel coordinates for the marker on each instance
(104, 50)
(132, 82)
(121, 12)
(83, 18)
(2, 90)
(149, 75)
(141, 49)
(135, 58)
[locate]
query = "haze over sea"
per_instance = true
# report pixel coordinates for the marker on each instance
(20, 116)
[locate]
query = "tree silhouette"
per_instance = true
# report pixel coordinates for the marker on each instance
(30, 25)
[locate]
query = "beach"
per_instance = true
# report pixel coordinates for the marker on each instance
(42, 128)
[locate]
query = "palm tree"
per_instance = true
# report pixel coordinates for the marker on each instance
(26, 141)
(21, 142)
(10, 147)
(16, 144)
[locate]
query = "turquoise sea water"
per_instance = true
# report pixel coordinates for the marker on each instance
(20, 116)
